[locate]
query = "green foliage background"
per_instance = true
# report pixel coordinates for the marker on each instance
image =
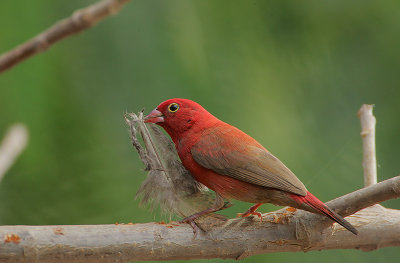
(290, 73)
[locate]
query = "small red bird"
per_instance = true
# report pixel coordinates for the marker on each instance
(232, 163)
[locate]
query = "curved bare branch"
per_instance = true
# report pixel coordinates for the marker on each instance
(80, 20)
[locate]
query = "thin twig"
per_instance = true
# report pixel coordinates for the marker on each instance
(80, 20)
(13, 144)
(368, 122)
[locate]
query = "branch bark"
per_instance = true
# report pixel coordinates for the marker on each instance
(80, 20)
(280, 231)
(368, 122)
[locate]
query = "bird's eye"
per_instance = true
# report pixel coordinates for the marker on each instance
(173, 107)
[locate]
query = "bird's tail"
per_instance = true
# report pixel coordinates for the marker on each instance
(322, 208)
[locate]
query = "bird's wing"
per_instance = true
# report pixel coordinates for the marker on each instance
(231, 152)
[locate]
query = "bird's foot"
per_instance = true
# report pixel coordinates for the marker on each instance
(283, 217)
(219, 205)
(246, 214)
(191, 221)
(251, 211)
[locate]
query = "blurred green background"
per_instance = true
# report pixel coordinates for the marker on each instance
(292, 74)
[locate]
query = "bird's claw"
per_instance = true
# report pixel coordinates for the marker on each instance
(190, 220)
(249, 213)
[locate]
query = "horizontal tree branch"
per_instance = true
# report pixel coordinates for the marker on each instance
(280, 231)
(79, 21)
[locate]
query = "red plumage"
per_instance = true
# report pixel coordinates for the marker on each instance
(232, 163)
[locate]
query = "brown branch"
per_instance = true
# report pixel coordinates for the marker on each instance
(368, 122)
(80, 20)
(280, 231)
(362, 198)
(349, 204)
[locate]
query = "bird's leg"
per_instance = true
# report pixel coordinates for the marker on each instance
(252, 211)
(218, 205)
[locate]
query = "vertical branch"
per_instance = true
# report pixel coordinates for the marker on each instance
(11, 147)
(368, 122)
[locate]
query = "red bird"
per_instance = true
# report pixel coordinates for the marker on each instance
(232, 163)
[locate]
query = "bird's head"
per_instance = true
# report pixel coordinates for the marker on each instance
(177, 116)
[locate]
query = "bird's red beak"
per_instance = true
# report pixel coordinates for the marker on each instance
(154, 117)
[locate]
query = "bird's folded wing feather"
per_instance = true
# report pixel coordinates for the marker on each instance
(231, 152)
